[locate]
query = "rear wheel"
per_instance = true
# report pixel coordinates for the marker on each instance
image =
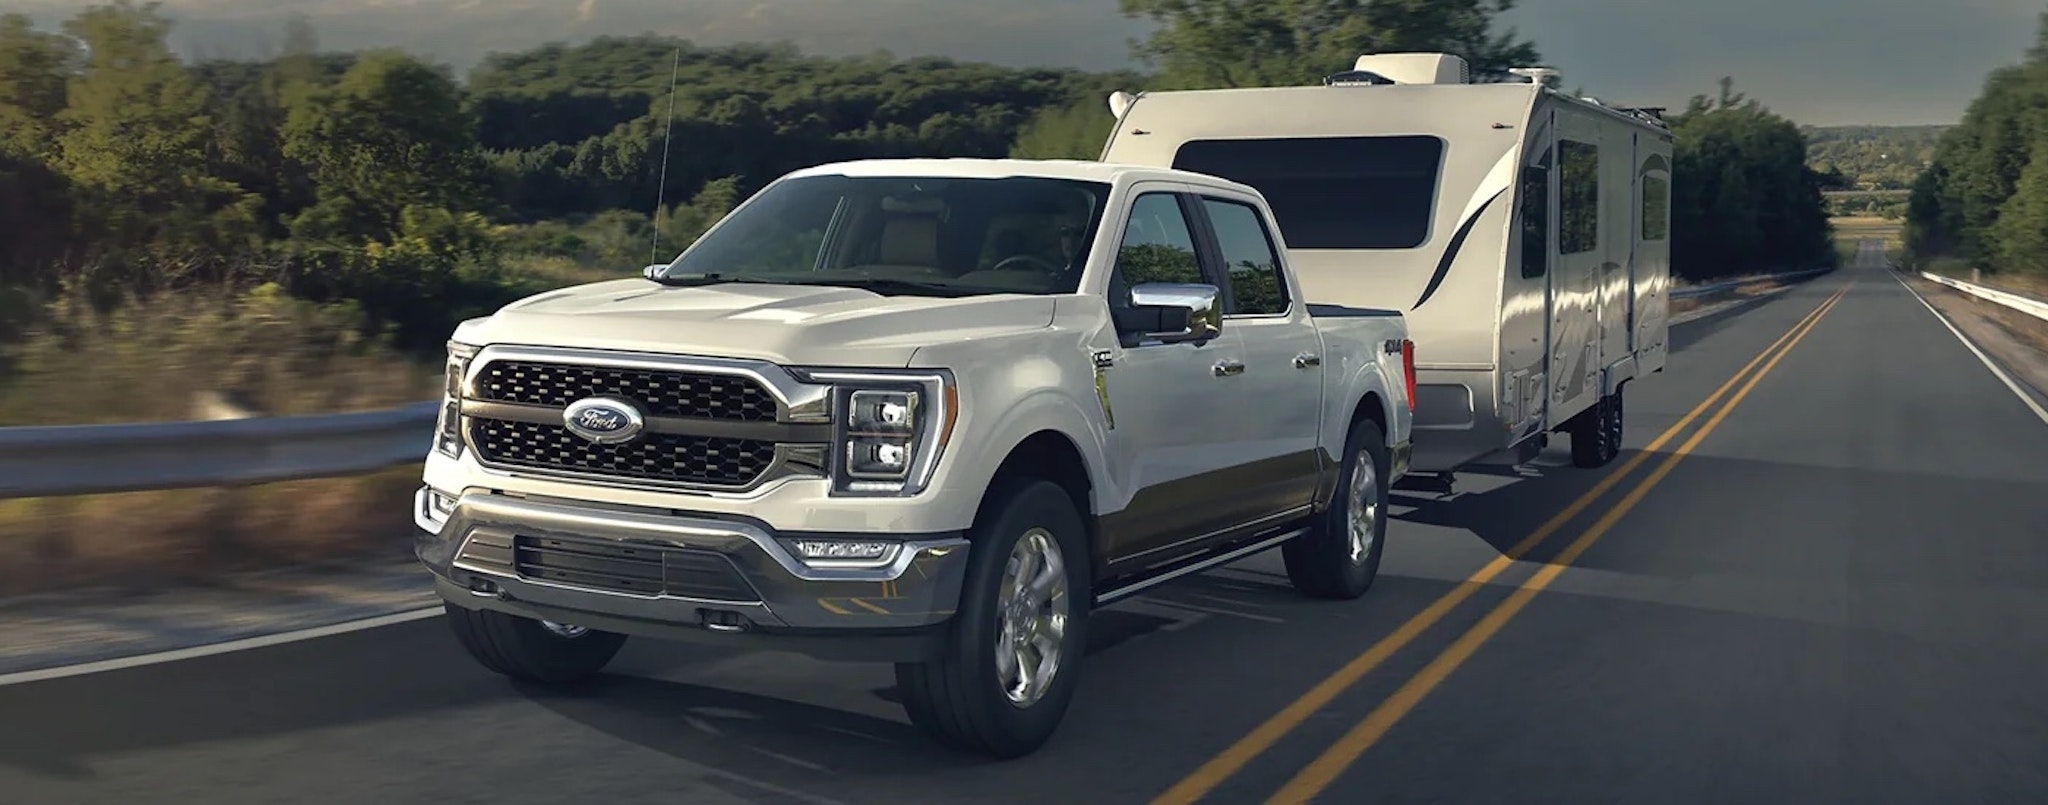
(1596, 432)
(1340, 555)
(1002, 684)
(533, 651)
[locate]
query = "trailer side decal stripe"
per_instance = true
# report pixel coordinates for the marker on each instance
(1443, 265)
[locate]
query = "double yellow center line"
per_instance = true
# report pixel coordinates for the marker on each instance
(1323, 771)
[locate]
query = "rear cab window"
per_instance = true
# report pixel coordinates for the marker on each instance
(1250, 259)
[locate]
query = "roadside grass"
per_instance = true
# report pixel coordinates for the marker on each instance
(155, 540)
(206, 354)
(2029, 285)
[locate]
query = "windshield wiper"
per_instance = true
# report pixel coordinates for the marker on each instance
(712, 278)
(889, 287)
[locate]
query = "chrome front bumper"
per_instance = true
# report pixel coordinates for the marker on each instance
(477, 548)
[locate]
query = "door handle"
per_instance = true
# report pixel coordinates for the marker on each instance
(1306, 360)
(1227, 368)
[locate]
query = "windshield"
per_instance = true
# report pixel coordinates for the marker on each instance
(905, 235)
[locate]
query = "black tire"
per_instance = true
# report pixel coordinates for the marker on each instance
(1596, 433)
(1323, 563)
(960, 699)
(523, 649)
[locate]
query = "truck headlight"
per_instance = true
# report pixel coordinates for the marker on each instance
(889, 429)
(448, 427)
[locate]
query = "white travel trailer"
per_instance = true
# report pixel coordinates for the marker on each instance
(1524, 233)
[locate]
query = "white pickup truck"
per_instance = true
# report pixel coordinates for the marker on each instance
(930, 412)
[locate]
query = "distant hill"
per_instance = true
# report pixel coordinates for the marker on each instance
(1873, 157)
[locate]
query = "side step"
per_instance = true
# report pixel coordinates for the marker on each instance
(1193, 565)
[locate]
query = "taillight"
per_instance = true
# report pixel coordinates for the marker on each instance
(1408, 370)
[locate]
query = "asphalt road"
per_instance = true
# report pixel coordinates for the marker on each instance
(1837, 593)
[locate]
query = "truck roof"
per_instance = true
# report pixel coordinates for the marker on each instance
(977, 168)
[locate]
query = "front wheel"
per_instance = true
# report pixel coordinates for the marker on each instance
(1001, 686)
(1339, 557)
(533, 651)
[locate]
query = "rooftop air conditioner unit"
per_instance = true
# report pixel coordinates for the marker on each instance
(1416, 68)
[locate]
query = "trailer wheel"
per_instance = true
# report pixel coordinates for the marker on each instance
(1340, 555)
(1596, 433)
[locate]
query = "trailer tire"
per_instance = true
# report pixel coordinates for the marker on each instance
(1596, 433)
(1339, 557)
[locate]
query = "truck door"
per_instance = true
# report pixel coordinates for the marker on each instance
(1280, 390)
(1168, 408)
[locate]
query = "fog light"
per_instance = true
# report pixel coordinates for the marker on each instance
(844, 552)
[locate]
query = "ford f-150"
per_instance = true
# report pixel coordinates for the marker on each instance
(930, 412)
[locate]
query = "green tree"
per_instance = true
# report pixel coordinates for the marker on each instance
(1743, 196)
(1984, 173)
(1074, 131)
(2019, 237)
(393, 134)
(34, 68)
(133, 137)
(1249, 43)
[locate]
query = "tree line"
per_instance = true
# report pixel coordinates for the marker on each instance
(383, 185)
(1983, 203)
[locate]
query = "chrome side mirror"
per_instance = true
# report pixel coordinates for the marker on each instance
(1174, 313)
(653, 272)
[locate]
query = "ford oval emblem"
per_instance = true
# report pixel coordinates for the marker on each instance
(604, 420)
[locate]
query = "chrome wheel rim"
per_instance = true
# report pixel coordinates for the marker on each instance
(564, 629)
(1362, 509)
(1031, 612)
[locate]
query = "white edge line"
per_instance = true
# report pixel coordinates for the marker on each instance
(2011, 384)
(195, 652)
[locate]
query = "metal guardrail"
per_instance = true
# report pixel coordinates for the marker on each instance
(96, 459)
(93, 459)
(2032, 307)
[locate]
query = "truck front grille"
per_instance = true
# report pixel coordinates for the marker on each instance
(662, 392)
(630, 568)
(656, 457)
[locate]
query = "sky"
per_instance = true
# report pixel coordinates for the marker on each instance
(1821, 62)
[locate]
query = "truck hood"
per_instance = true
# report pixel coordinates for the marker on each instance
(785, 324)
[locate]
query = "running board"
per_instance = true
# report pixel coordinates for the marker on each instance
(1193, 566)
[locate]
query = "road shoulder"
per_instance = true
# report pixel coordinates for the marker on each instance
(2015, 341)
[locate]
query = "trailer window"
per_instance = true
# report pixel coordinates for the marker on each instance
(1249, 256)
(1334, 192)
(1656, 208)
(1535, 214)
(1578, 197)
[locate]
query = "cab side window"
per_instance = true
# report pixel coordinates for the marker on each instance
(1158, 246)
(1256, 288)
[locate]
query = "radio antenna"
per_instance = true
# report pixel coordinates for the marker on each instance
(661, 189)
